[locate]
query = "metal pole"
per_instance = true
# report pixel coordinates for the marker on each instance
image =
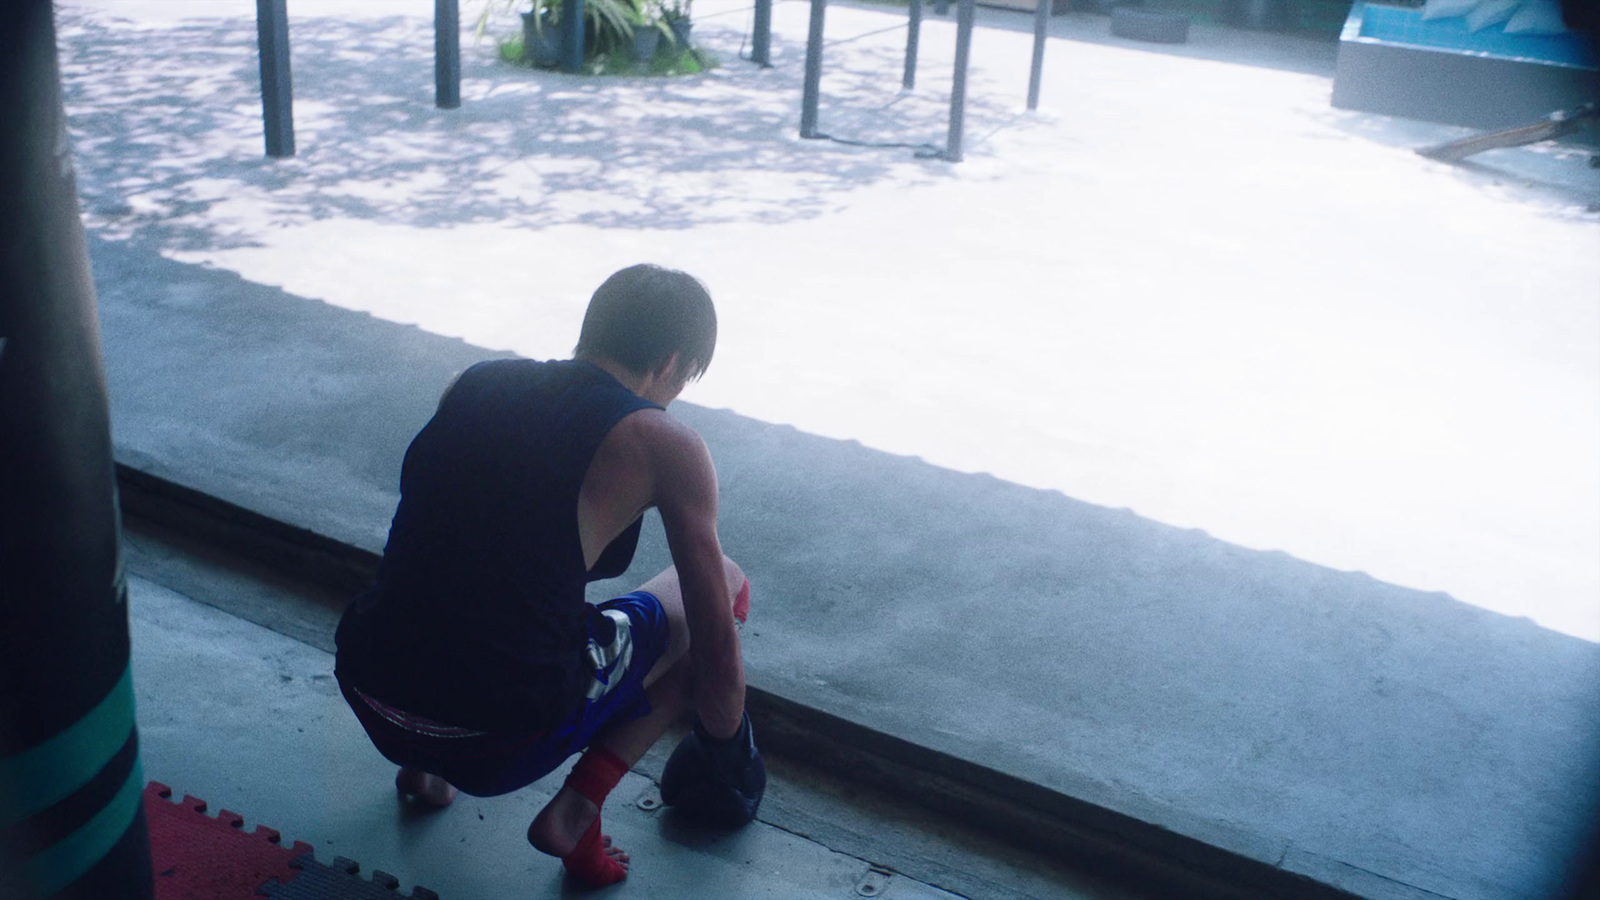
(965, 12)
(277, 93)
(447, 53)
(573, 36)
(813, 83)
(1041, 26)
(913, 34)
(761, 42)
(941, 7)
(72, 821)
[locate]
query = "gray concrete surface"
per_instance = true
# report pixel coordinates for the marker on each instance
(252, 721)
(1243, 310)
(212, 626)
(970, 421)
(236, 712)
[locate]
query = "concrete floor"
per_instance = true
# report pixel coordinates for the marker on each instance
(970, 420)
(251, 721)
(249, 718)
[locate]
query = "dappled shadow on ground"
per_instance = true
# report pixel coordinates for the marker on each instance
(167, 130)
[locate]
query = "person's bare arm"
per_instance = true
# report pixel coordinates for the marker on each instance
(686, 494)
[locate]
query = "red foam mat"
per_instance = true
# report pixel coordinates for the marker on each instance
(197, 857)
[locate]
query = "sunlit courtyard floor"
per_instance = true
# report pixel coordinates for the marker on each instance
(1186, 287)
(1186, 294)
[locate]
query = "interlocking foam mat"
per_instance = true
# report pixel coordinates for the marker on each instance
(198, 857)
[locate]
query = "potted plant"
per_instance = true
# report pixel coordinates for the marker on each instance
(647, 30)
(618, 35)
(540, 41)
(1257, 14)
(677, 18)
(607, 30)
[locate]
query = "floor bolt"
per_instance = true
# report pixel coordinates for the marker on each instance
(650, 800)
(874, 883)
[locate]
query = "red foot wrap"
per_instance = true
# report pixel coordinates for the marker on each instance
(596, 773)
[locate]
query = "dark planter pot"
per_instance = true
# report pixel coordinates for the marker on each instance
(1103, 7)
(646, 40)
(541, 42)
(680, 32)
(1262, 15)
(1150, 25)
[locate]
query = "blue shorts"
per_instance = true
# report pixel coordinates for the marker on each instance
(486, 764)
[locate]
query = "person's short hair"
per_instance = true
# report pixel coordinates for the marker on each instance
(641, 315)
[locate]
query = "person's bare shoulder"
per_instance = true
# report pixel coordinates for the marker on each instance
(654, 431)
(648, 460)
(676, 456)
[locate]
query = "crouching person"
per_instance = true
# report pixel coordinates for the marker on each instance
(474, 662)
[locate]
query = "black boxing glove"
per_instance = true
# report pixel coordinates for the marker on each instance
(715, 782)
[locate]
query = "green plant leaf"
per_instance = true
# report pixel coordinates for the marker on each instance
(482, 23)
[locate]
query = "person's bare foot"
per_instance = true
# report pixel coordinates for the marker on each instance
(562, 829)
(430, 790)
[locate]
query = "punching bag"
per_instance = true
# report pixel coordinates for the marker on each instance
(71, 821)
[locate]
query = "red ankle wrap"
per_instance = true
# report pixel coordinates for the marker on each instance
(741, 603)
(596, 773)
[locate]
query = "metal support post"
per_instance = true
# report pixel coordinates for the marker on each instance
(913, 34)
(72, 823)
(447, 53)
(277, 93)
(572, 36)
(1041, 27)
(941, 7)
(813, 78)
(761, 41)
(965, 13)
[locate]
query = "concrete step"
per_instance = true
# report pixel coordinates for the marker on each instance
(1018, 812)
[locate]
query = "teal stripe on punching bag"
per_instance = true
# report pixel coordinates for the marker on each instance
(44, 775)
(65, 861)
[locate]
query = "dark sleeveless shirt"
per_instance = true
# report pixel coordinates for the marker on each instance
(477, 617)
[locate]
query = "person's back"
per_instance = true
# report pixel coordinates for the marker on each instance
(477, 617)
(474, 661)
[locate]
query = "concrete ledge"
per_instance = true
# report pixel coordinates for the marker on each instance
(1455, 86)
(287, 548)
(1019, 812)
